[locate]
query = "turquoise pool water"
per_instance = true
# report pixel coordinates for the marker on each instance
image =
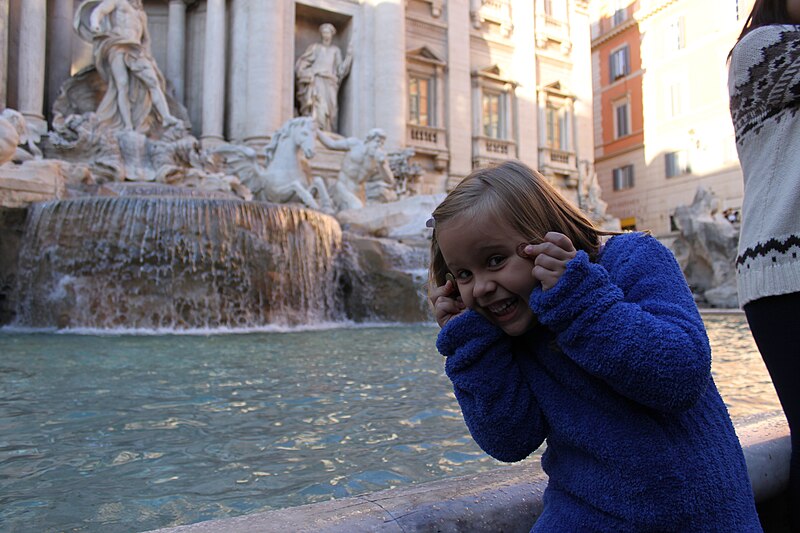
(134, 432)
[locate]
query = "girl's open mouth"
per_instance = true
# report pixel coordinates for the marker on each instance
(503, 308)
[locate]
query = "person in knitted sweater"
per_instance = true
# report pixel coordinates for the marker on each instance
(599, 350)
(764, 86)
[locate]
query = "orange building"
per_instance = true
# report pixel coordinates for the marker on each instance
(619, 118)
(662, 127)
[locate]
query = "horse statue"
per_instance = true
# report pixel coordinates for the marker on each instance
(285, 177)
(17, 144)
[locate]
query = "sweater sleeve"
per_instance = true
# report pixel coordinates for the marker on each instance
(489, 382)
(636, 328)
(764, 75)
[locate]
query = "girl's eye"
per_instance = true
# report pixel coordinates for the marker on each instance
(495, 260)
(463, 275)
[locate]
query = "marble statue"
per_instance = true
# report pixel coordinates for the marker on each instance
(319, 73)
(406, 172)
(706, 249)
(589, 196)
(595, 206)
(17, 144)
(118, 32)
(286, 177)
(364, 162)
(114, 122)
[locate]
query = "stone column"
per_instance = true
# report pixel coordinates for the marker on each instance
(59, 47)
(264, 70)
(176, 46)
(525, 119)
(459, 91)
(3, 51)
(214, 74)
(391, 106)
(30, 86)
(236, 107)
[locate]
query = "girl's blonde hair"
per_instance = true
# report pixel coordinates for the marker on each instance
(522, 197)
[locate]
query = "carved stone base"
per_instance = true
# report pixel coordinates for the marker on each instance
(34, 181)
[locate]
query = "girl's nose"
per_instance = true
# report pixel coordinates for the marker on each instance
(483, 285)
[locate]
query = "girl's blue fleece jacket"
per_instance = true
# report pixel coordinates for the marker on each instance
(618, 381)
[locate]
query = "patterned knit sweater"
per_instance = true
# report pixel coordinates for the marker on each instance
(764, 86)
(618, 381)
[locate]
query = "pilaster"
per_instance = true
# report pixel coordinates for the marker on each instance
(266, 41)
(3, 51)
(391, 106)
(214, 74)
(30, 95)
(176, 47)
(459, 90)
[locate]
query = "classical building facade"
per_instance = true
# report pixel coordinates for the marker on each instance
(463, 82)
(662, 125)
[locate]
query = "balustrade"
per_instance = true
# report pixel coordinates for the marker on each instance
(426, 137)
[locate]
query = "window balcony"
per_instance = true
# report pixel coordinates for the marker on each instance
(426, 138)
(486, 149)
(558, 159)
(556, 30)
(429, 141)
(563, 163)
(494, 11)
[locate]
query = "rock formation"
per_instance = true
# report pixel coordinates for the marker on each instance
(706, 250)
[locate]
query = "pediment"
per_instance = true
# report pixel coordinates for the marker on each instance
(424, 54)
(494, 73)
(559, 89)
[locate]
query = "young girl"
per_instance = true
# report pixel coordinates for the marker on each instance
(597, 348)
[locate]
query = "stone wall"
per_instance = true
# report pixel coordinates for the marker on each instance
(12, 225)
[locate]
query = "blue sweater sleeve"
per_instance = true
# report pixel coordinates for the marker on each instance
(490, 385)
(631, 321)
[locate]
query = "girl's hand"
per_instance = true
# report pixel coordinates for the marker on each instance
(446, 302)
(550, 258)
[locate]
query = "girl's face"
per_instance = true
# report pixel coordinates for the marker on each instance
(480, 252)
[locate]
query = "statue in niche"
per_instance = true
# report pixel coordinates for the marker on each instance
(365, 162)
(319, 73)
(118, 32)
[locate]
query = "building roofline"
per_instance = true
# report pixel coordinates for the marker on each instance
(613, 32)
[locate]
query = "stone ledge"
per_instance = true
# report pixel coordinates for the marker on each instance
(506, 499)
(34, 181)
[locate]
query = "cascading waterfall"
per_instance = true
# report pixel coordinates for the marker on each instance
(177, 263)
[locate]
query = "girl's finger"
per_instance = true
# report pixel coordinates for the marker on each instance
(441, 290)
(547, 278)
(445, 309)
(551, 249)
(448, 306)
(560, 240)
(550, 263)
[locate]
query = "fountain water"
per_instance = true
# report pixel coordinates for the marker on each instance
(178, 263)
